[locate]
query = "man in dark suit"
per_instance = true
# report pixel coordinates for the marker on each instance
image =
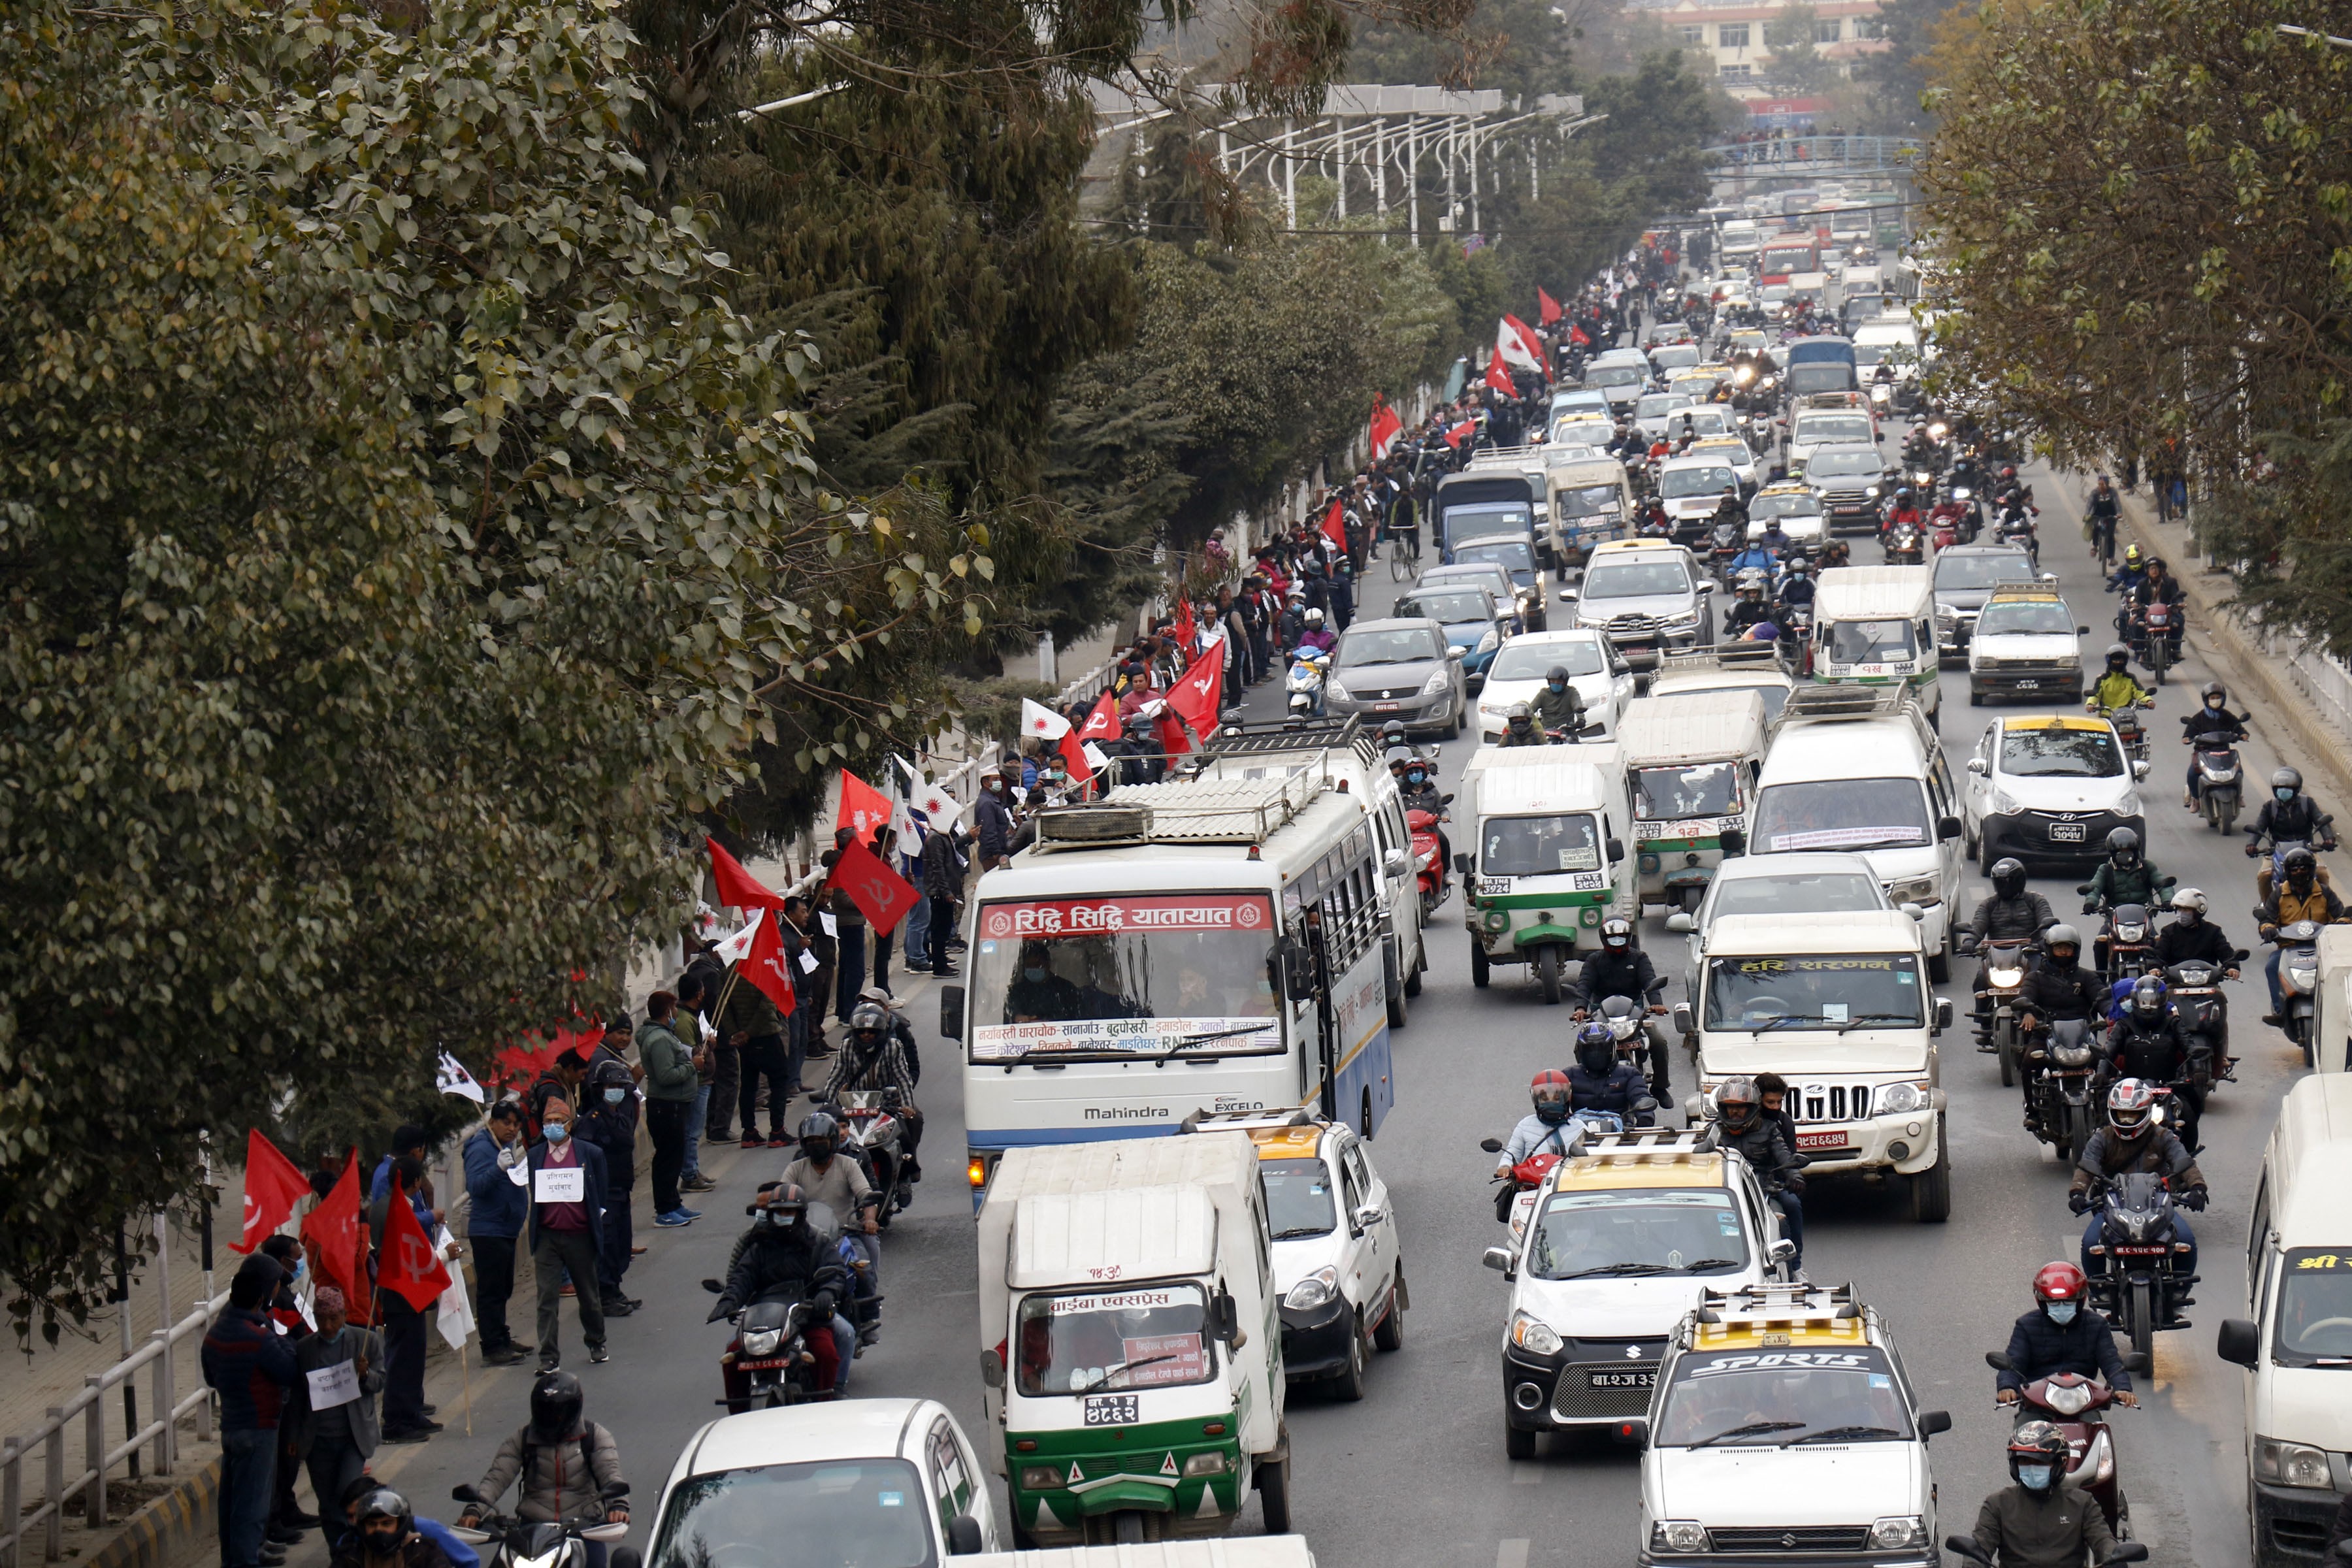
(568, 1194)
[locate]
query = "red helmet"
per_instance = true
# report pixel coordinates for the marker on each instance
(1549, 1089)
(2059, 1282)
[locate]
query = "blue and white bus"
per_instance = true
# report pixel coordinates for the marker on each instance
(1207, 945)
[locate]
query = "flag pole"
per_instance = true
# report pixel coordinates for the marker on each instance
(466, 1371)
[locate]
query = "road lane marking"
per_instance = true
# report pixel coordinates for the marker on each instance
(1511, 1554)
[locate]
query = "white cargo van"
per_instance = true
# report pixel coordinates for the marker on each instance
(2331, 1023)
(1876, 625)
(1548, 864)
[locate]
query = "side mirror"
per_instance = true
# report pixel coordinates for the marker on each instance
(1947, 830)
(1680, 920)
(1461, 859)
(1395, 863)
(1999, 1360)
(1369, 1216)
(1568, 595)
(1979, 766)
(2241, 1341)
(1683, 1021)
(1934, 1421)
(1498, 1258)
(1943, 1013)
(1456, 653)
(1706, 586)
(2139, 769)
(1224, 1318)
(1734, 840)
(2241, 957)
(1297, 969)
(1448, 799)
(2082, 631)
(992, 1370)
(1491, 1146)
(1781, 1250)
(951, 1011)
(964, 1536)
(1616, 847)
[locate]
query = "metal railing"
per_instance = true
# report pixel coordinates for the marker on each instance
(1850, 152)
(161, 1355)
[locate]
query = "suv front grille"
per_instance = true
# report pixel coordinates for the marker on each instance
(1574, 1398)
(1792, 1538)
(1829, 1102)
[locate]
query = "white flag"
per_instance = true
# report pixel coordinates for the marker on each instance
(455, 1317)
(733, 949)
(1038, 720)
(934, 804)
(452, 1077)
(1094, 757)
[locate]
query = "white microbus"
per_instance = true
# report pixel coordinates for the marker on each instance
(1212, 944)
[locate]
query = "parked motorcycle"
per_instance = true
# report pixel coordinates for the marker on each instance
(2063, 1098)
(2139, 1258)
(2218, 785)
(1435, 882)
(2298, 973)
(2076, 1406)
(513, 1542)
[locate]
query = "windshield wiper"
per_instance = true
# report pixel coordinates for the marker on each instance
(1711, 1263)
(1753, 1429)
(1045, 1048)
(1302, 1230)
(1831, 1433)
(1621, 1269)
(1860, 1019)
(1095, 1386)
(1187, 1041)
(1779, 1019)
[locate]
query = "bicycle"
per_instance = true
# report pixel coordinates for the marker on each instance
(1404, 553)
(2103, 539)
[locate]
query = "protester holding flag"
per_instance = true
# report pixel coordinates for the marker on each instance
(568, 1193)
(494, 1221)
(849, 933)
(405, 1419)
(671, 1085)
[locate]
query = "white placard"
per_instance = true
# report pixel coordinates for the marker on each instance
(333, 1385)
(824, 919)
(560, 1185)
(808, 962)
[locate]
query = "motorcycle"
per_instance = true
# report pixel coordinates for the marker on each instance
(2128, 729)
(1797, 638)
(515, 1542)
(2160, 628)
(1904, 545)
(1624, 1018)
(2065, 1100)
(1515, 1191)
(2219, 788)
(768, 1364)
(1946, 528)
(2073, 1404)
(2140, 1287)
(873, 1134)
(1305, 685)
(1965, 1546)
(2195, 989)
(1434, 882)
(2004, 982)
(2016, 528)
(2298, 973)
(1725, 541)
(2123, 945)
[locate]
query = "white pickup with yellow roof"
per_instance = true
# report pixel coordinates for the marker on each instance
(2026, 644)
(1785, 1430)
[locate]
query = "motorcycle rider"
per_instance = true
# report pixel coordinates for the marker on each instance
(2041, 1521)
(1559, 706)
(564, 1463)
(1519, 728)
(2289, 816)
(2101, 511)
(1739, 1116)
(2014, 912)
(2146, 1043)
(2132, 1143)
(783, 1258)
(387, 1536)
(1419, 791)
(2057, 990)
(1542, 1131)
(1316, 636)
(1731, 508)
(1906, 509)
(2157, 585)
(2125, 877)
(2117, 689)
(1600, 1081)
(2125, 577)
(871, 1059)
(1621, 969)
(2059, 1336)
(2299, 896)
(1748, 609)
(825, 1177)
(2214, 719)
(1797, 587)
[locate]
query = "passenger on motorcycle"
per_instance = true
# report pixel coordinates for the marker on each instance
(2213, 718)
(1521, 728)
(564, 1463)
(1544, 1130)
(2302, 896)
(1317, 636)
(2146, 1043)
(2116, 690)
(2289, 816)
(2014, 913)
(1600, 1081)
(825, 1177)
(1558, 705)
(1621, 969)
(2125, 578)
(2125, 876)
(2131, 1142)
(783, 1258)
(871, 1059)
(1748, 608)
(1419, 793)
(387, 1536)
(2041, 1521)
(2059, 1336)
(1797, 588)
(1739, 1116)
(2057, 990)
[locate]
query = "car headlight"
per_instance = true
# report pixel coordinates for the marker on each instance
(1332, 687)
(762, 1342)
(2003, 802)
(1872, 491)
(1533, 1335)
(1678, 1535)
(1439, 678)
(1041, 1478)
(1314, 1291)
(2129, 805)
(1897, 1530)
(1490, 642)
(1491, 709)
(1917, 890)
(1210, 1464)
(2289, 1464)
(1901, 1099)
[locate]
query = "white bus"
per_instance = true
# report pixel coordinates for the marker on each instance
(1210, 945)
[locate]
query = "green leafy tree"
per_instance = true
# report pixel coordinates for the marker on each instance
(1797, 61)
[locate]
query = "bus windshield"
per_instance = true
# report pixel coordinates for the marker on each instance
(1117, 975)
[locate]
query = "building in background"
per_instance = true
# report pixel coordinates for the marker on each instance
(1741, 38)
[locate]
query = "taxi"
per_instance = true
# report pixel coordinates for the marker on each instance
(1728, 449)
(2049, 786)
(1625, 1235)
(1337, 1264)
(1799, 509)
(1784, 1429)
(2026, 644)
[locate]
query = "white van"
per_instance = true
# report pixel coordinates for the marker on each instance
(2297, 1344)
(1739, 239)
(1861, 769)
(2331, 1023)
(1893, 340)
(1690, 769)
(1548, 864)
(1876, 625)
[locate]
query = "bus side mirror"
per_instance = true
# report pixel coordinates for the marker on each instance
(951, 1011)
(1224, 1318)
(2241, 1341)
(1298, 970)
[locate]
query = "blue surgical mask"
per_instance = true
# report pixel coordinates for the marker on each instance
(559, 1132)
(614, 1096)
(301, 1267)
(1032, 974)
(2284, 795)
(2034, 1477)
(2062, 1313)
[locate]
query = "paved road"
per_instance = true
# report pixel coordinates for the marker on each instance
(1416, 1473)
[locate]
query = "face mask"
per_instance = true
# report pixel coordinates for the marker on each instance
(559, 1132)
(818, 1150)
(381, 1542)
(2061, 1312)
(614, 1096)
(1557, 684)
(2215, 703)
(997, 786)
(2034, 1477)
(2284, 795)
(1032, 974)
(300, 1267)
(1416, 778)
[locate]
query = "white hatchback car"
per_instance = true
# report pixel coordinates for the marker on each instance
(1337, 1259)
(863, 1480)
(1595, 668)
(2049, 786)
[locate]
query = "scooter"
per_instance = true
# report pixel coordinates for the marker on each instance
(873, 1134)
(2298, 973)
(1305, 685)
(2219, 787)
(1516, 1192)
(515, 1542)
(1436, 885)
(2075, 1404)
(2140, 1286)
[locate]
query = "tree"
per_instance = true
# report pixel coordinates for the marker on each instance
(1891, 82)
(1797, 61)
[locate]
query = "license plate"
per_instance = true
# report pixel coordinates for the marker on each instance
(771, 1363)
(2029, 686)
(1388, 707)
(2066, 833)
(2139, 1251)
(1621, 1379)
(1113, 1410)
(1824, 1140)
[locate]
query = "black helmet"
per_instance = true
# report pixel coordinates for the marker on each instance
(2301, 865)
(1596, 1048)
(1520, 716)
(382, 1504)
(555, 1405)
(2039, 1445)
(2118, 656)
(780, 1203)
(2065, 936)
(2008, 877)
(2148, 999)
(820, 1135)
(1616, 933)
(2123, 847)
(1556, 675)
(1393, 733)
(2216, 694)
(2289, 780)
(869, 1018)
(1736, 1104)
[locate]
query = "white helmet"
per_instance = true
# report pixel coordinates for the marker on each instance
(2189, 898)
(1314, 617)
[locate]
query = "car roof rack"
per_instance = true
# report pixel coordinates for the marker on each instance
(1847, 700)
(1774, 1301)
(1207, 1121)
(1199, 811)
(1275, 737)
(1645, 1145)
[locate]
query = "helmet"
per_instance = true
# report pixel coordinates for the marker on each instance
(2038, 1447)
(1751, 581)
(1737, 1105)
(1616, 933)
(555, 1405)
(2190, 905)
(1393, 733)
(2059, 1282)
(1549, 1089)
(2148, 999)
(1397, 757)
(2009, 470)
(1556, 675)
(2131, 555)
(782, 1202)
(1314, 617)
(2123, 847)
(2061, 935)
(820, 1135)
(1797, 567)
(381, 1504)
(2130, 1106)
(1596, 1048)
(1518, 716)
(2301, 865)
(2286, 783)
(2008, 877)
(869, 1018)
(2118, 656)
(2216, 695)
(1902, 496)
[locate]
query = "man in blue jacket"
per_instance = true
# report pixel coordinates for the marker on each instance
(568, 1194)
(498, 1183)
(251, 1367)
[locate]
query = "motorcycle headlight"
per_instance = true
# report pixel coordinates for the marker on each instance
(1435, 683)
(1897, 1530)
(2134, 932)
(2304, 974)
(1678, 1535)
(1490, 642)
(2004, 979)
(2068, 1400)
(1533, 1335)
(2289, 1464)
(1961, 492)
(1901, 1099)
(2071, 1056)
(762, 1342)
(1314, 1291)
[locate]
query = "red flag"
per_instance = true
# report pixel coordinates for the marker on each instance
(1498, 376)
(1384, 429)
(1187, 634)
(337, 1240)
(272, 1187)
(863, 808)
(408, 1263)
(522, 1063)
(738, 886)
(1102, 724)
(764, 965)
(1455, 433)
(1547, 307)
(1516, 335)
(1335, 527)
(881, 894)
(1578, 336)
(1195, 698)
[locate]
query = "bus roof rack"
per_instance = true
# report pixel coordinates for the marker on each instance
(1295, 735)
(1196, 811)
(1838, 700)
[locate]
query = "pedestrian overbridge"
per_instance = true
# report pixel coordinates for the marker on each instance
(1824, 154)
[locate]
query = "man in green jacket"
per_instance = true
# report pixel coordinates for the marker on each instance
(672, 1080)
(752, 1025)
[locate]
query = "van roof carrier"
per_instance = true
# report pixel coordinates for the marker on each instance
(1197, 811)
(1295, 735)
(1724, 656)
(1846, 700)
(1207, 1121)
